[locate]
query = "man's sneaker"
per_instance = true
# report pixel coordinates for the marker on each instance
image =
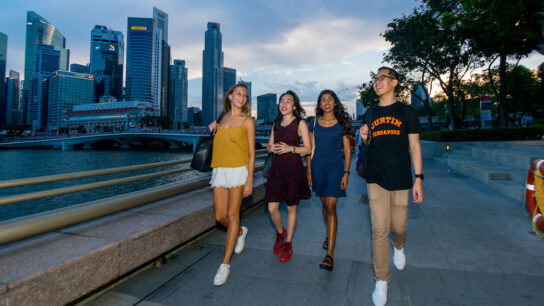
(241, 241)
(278, 245)
(222, 275)
(399, 259)
(379, 296)
(287, 251)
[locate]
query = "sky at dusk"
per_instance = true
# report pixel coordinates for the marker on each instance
(303, 45)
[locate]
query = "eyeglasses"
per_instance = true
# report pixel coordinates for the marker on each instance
(381, 78)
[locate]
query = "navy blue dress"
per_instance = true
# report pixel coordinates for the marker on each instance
(328, 162)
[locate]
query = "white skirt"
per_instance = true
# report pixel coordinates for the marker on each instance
(229, 177)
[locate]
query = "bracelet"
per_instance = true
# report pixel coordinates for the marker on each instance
(294, 149)
(346, 172)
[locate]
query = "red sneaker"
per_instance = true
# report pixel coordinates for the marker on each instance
(278, 245)
(287, 251)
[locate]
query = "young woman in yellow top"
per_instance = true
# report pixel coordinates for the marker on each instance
(233, 162)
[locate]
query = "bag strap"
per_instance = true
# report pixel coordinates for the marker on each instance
(369, 115)
(218, 120)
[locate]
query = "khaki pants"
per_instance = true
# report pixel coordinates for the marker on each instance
(388, 211)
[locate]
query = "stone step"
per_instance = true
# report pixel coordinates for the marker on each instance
(507, 181)
(510, 158)
(534, 146)
(480, 170)
(512, 190)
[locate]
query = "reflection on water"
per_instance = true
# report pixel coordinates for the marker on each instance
(15, 164)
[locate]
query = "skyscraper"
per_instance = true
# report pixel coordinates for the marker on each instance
(248, 84)
(47, 62)
(212, 74)
(161, 60)
(3, 56)
(229, 79)
(106, 62)
(13, 92)
(266, 107)
(165, 78)
(140, 51)
(39, 31)
(67, 89)
(161, 22)
(194, 116)
(177, 106)
(418, 97)
(359, 108)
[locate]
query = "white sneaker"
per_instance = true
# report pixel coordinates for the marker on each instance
(241, 241)
(379, 296)
(222, 275)
(399, 259)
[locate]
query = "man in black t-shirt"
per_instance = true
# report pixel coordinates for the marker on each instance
(394, 129)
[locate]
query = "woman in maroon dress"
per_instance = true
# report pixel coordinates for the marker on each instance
(287, 181)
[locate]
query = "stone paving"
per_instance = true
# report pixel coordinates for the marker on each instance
(467, 245)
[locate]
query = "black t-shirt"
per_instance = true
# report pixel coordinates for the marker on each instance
(388, 163)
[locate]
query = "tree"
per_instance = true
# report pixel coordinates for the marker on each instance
(413, 83)
(429, 41)
(498, 29)
(146, 121)
(165, 122)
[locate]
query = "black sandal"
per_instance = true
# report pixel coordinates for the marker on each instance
(327, 263)
(326, 243)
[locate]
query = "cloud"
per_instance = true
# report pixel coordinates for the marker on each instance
(316, 42)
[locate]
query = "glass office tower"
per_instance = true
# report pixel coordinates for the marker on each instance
(229, 79)
(39, 31)
(13, 92)
(140, 51)
(162, 60)
(106, 61)
(212, 74)
(3, 56)
(177, 106)
(267, 107)
(67, 89)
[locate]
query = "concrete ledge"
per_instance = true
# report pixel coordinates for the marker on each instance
(60, 267)
(432, 149)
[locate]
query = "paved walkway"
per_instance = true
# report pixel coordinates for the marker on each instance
(467, 245)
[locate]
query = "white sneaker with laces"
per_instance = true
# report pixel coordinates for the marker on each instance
(222, 275)
(379, 296)
(241, 241)
(399, 259)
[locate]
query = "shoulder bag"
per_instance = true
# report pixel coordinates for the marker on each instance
(268, 162)
(362, 157)
(202, 157)
(313, 139)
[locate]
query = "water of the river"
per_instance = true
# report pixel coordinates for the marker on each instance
(15, 164)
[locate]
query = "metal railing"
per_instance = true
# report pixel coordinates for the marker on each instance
(29, 226)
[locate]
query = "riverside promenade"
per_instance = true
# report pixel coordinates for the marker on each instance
(467, 245)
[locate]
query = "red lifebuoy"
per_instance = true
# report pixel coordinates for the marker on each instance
(536, 216)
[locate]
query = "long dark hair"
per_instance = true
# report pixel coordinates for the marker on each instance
(298, 112)
(339, 112)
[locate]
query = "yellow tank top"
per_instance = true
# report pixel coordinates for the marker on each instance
(230, 147)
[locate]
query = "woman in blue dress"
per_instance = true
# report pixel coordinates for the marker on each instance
(330, 163)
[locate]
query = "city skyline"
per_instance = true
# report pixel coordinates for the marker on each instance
(305, 46)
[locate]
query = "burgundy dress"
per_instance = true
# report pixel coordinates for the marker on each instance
(287, 180)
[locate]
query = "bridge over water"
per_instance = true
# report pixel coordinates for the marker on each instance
(175, 140)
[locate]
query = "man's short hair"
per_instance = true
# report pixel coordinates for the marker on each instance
(392, 72)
